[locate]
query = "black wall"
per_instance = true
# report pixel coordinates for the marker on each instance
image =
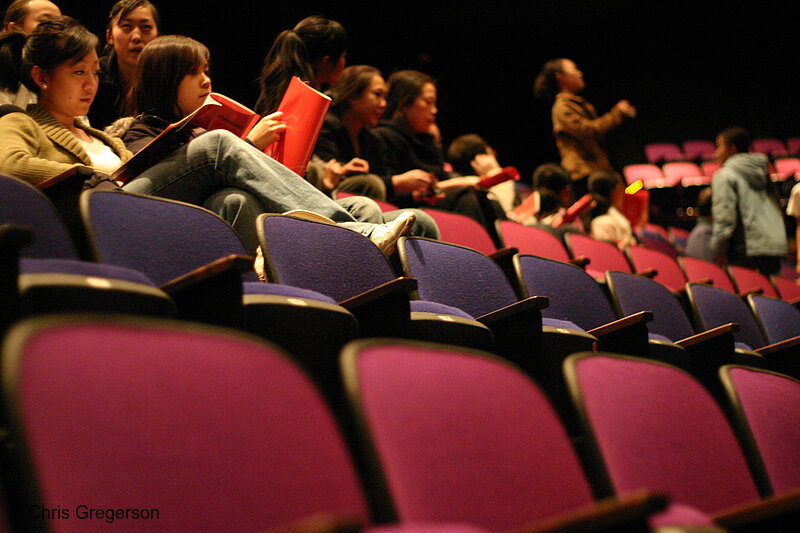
(691, 68)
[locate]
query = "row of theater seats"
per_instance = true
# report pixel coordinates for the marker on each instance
(330, 285)
(688, 174)
(703, 150)
(168, 426)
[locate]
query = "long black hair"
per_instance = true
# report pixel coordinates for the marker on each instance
(294, 53)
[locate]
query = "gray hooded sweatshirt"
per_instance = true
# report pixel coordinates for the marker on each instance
(747, 220)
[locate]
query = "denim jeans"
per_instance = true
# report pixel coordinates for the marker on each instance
(217, 160)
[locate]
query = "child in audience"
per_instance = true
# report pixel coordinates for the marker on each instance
(314, 50)
(20, 19)
(607, 221)
(131, 25)
(61, 65)
(470, 155)
(698, 244)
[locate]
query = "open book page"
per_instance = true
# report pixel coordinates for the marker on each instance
(217, 112)
(304, 109)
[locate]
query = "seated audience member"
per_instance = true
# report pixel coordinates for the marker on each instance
(131, 25)
(314, 50)
(415, 157)
(470, 155)
(20, 19)
(354, 156)
(793, 210)
(698, 244)
(60, 65)
(748, 227)
(607, 223)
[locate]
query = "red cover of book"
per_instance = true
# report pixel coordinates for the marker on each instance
(575, 210)
(304, 110)
(217, 112)
(508, 173)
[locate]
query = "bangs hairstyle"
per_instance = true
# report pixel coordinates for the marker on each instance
(53, 43)
(354, 81)
(122, 9)
(404, 87)
(162, 65)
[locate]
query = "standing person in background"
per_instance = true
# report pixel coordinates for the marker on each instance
(314, 51)
(131, 25)
(578, 130)
(748, 227)
(793, 210)
(21, 18)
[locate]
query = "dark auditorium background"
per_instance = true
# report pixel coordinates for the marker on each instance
(691, 68)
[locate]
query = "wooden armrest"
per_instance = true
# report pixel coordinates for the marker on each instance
(223, 265)
(627, 335)
(622, 323)
(580, 261)
(503, 254)
(648, 273)
(533, 303)
(776, 348)
(403, 285)
(705, 281)
(772, 508)
(384, 311)
(611, 514)
(706, 336)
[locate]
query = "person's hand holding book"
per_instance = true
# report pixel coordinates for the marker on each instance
(268, 130)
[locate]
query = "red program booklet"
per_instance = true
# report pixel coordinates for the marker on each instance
(217, 112)
(304, 109)
(508, 173)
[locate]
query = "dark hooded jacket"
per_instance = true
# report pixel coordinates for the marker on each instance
(747, 219)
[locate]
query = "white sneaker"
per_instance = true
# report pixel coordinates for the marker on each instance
(385, 236)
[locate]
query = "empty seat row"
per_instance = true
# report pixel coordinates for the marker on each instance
(704, 150)
(189, 428)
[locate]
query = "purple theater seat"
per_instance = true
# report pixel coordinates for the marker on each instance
(51, 275)
(767, 412)
(530, 240)
(460, 436)
(778, 320)
(714, 307)
(346, 266)
(169, 240)
(653, 425)
(214, 429)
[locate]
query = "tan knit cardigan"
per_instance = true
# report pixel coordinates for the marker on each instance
(34, 146)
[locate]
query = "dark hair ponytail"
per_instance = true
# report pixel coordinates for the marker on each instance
(11, 44)
(294, 53)
(546, 85)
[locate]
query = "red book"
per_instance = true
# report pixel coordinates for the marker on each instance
(584, 203)
(508, 173)
(217, 112)
(304, 110)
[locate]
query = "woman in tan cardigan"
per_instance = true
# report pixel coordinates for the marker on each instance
(577, 128)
